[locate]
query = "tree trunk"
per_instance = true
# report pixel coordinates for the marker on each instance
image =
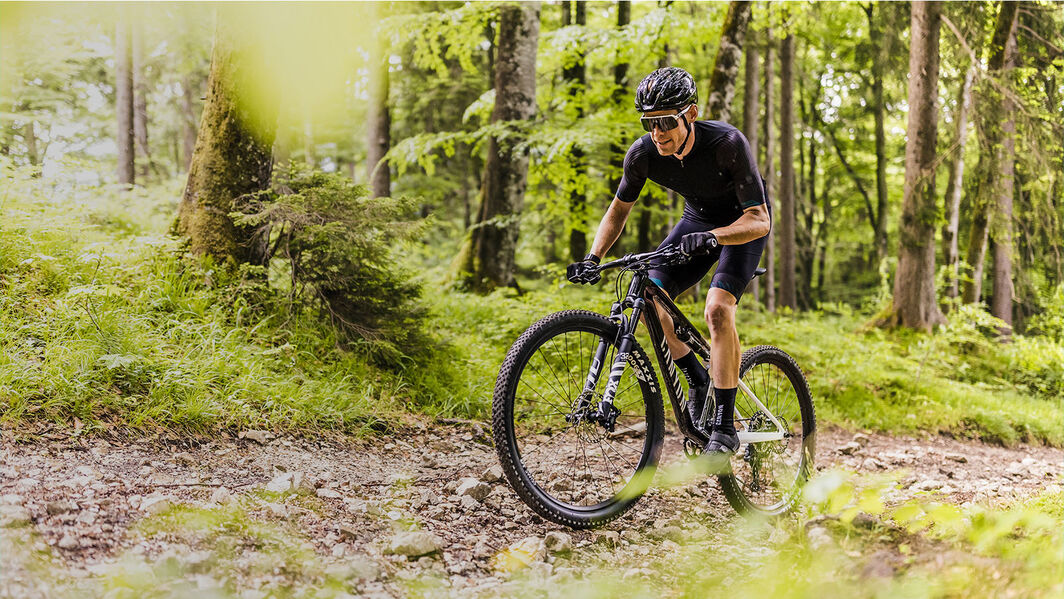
(29, 136)
(232, 155)
(188, 119)
(1001, 221)
(140, 104)
(823, 245)
(914, 285)
(882, 41)
(809, 240)
(124, 100)
(770, 167)
(751, 114)
(806, 198)
(619, 96)
(575, 77)
(990, 131)
(726, 67)
(954, 186)
(378, 174)
(786, 214)
(672, 200)
(490, 260)
(617, 151)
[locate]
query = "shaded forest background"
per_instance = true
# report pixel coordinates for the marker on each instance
(364, 192)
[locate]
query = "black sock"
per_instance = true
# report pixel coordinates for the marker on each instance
(692, 369)
(724, 417)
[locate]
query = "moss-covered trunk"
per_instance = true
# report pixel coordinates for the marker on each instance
(489, 259)
(726, 67)
(914, 284)
(575, 77)
(232, 155)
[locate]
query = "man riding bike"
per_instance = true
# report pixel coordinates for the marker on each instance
(726, 218)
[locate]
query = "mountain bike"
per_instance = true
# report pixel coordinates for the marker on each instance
(581, 448)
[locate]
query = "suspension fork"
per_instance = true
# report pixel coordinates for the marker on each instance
(606, 413)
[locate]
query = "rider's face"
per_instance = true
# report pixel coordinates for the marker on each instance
(669, 142)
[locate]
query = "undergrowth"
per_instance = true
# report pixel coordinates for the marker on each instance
(105, 322)
(961, 381)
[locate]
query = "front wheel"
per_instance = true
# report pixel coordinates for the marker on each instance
(766, 477)
(568, 469)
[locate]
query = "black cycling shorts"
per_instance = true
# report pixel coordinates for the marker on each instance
(737, 262)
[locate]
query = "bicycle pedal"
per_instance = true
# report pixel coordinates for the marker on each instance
(691, 449)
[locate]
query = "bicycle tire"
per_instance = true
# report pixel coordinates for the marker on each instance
(738, 483)
(531, 486)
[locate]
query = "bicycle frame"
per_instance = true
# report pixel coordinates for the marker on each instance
(642, 297)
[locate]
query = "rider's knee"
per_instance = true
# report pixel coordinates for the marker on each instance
(719, 314)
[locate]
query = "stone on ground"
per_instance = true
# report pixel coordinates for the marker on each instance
(414, 544)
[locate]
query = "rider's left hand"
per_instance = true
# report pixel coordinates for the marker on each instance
(694, 244)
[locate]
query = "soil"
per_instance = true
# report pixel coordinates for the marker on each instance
(81, 496)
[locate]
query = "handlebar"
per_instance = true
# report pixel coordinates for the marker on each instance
(665, 256)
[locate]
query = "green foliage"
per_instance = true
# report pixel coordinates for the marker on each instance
(920, 548)
(961, 381)
(1051, 322)
(332, 246)
(102, 320)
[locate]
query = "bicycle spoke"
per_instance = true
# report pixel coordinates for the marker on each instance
(776, 464)
(578, 465)
(554, 374)
(545, 400)
(546, 382)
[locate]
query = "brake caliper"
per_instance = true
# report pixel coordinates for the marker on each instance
(608, 420)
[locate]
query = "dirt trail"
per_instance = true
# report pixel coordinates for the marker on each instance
(81, 498)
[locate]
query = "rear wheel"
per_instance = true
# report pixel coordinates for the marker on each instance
(766, 478)
(570, 470)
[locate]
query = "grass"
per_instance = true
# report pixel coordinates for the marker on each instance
(960, 381)
(104, 322)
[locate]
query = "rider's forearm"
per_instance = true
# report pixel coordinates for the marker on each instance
(611, 226)
(753, 224)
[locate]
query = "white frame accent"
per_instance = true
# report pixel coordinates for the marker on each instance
(761, 436)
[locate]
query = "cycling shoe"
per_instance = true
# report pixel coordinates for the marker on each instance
(718, 452)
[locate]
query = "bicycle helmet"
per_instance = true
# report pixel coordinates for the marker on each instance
(666, 89)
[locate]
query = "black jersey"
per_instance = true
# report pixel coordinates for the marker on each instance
(718, 178)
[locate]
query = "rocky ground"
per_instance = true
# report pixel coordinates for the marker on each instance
(380, 515)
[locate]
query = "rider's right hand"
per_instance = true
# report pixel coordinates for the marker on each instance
(585, 271)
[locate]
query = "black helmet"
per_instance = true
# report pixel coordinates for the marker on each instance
(666, 89)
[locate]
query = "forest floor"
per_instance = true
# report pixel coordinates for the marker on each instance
(84, 515)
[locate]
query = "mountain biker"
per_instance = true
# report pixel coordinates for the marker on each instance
(726, 218)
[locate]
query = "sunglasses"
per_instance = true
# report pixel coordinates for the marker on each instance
(665, 122)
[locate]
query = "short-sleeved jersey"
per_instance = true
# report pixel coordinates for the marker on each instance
(718, 178)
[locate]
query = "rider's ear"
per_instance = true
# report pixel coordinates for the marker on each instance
(692, 115)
